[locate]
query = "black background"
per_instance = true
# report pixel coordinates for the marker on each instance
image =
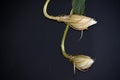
(30, 43)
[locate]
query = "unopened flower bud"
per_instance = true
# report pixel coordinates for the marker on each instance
(81, 62)
(78, 22)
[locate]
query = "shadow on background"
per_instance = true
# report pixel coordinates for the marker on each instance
(30, 43)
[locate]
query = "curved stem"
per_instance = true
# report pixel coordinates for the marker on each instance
(63, 42)
(45, 11)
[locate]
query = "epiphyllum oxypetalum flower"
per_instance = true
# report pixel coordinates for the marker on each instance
(78, 22)
(81, 62)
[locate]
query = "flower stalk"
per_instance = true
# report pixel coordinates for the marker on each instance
(45, 11)
(63, 42)
(58, 19)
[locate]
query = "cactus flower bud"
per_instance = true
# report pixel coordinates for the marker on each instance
(81, 62)
(78, 22)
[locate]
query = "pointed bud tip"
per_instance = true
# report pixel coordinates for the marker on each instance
(93, 22)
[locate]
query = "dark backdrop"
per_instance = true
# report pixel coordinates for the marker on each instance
(30, 43)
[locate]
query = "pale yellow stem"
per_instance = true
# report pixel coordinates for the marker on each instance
(45, 12)
(63, 42)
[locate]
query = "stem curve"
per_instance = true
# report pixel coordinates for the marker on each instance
(63, 42)
(45, 11)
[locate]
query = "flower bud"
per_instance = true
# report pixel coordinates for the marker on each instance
(81, 62)
(78, 22)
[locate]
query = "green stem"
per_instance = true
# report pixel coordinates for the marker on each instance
(45, 11)
(65, 32)
(63, 42)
